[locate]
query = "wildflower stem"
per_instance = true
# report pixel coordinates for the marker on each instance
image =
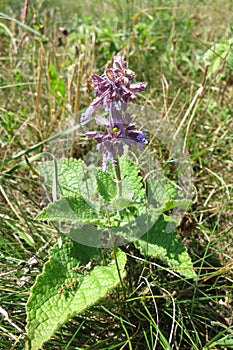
(118, 178)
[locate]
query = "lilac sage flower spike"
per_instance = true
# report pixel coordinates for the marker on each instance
(114, 90)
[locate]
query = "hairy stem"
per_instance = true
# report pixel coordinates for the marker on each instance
(118, 178)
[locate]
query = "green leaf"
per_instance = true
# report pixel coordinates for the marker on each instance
(163, 195)
(57, 85)
(168, 247)
(106, 184)
(162, 190)
(71, 177)
(218, 53)
(97, 237)
(66, 172)
(60, 292)
(131, 180)
(121, 203)
(73, 210)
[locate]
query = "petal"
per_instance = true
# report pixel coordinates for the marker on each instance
(97, 79)
(101, 120)
(116, 119)
(130, 74)
(98, 136)
(118, 62)
(107, 156)
(137, 87)
(109, 74)
(98, 101)
(88, 114)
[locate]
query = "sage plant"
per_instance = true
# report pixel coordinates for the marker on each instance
(97, 209)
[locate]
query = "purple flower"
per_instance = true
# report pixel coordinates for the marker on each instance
(114, 87)
(117, 133)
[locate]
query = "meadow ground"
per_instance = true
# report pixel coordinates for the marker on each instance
(47, 56)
